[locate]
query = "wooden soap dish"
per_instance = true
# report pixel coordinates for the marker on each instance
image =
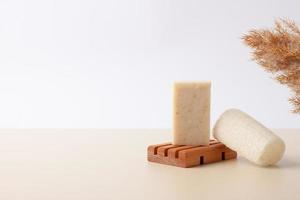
(189, 156)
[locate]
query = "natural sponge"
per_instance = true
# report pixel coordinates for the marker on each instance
(248, 138)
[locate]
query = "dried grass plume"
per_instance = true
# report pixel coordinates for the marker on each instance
(277, 50)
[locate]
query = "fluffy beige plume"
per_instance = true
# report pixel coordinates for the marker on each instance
(277, 50)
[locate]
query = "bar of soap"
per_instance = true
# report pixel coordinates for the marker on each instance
(191, 113)
(248, 138)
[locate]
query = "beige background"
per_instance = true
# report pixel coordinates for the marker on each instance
(108, 164)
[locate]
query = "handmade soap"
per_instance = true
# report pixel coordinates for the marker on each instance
(191, 113)
(248, 138)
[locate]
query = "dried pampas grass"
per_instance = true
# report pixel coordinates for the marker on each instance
(278, 52)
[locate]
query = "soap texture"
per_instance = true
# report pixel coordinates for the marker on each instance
(248, 138)
(191, 113)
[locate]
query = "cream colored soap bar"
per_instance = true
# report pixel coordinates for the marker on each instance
(191, 117)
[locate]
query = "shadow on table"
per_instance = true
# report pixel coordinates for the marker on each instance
(287, 163)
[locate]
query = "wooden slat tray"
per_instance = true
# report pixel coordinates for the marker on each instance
(189, 156)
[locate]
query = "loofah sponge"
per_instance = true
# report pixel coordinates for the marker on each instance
(248, 138)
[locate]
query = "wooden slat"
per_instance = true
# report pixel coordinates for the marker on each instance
(189, 156)
(153, 148)
(173, 153)
(163, 151)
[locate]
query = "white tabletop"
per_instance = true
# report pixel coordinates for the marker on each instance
(86, 164)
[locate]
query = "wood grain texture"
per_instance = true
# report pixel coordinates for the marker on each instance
(189, 156)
